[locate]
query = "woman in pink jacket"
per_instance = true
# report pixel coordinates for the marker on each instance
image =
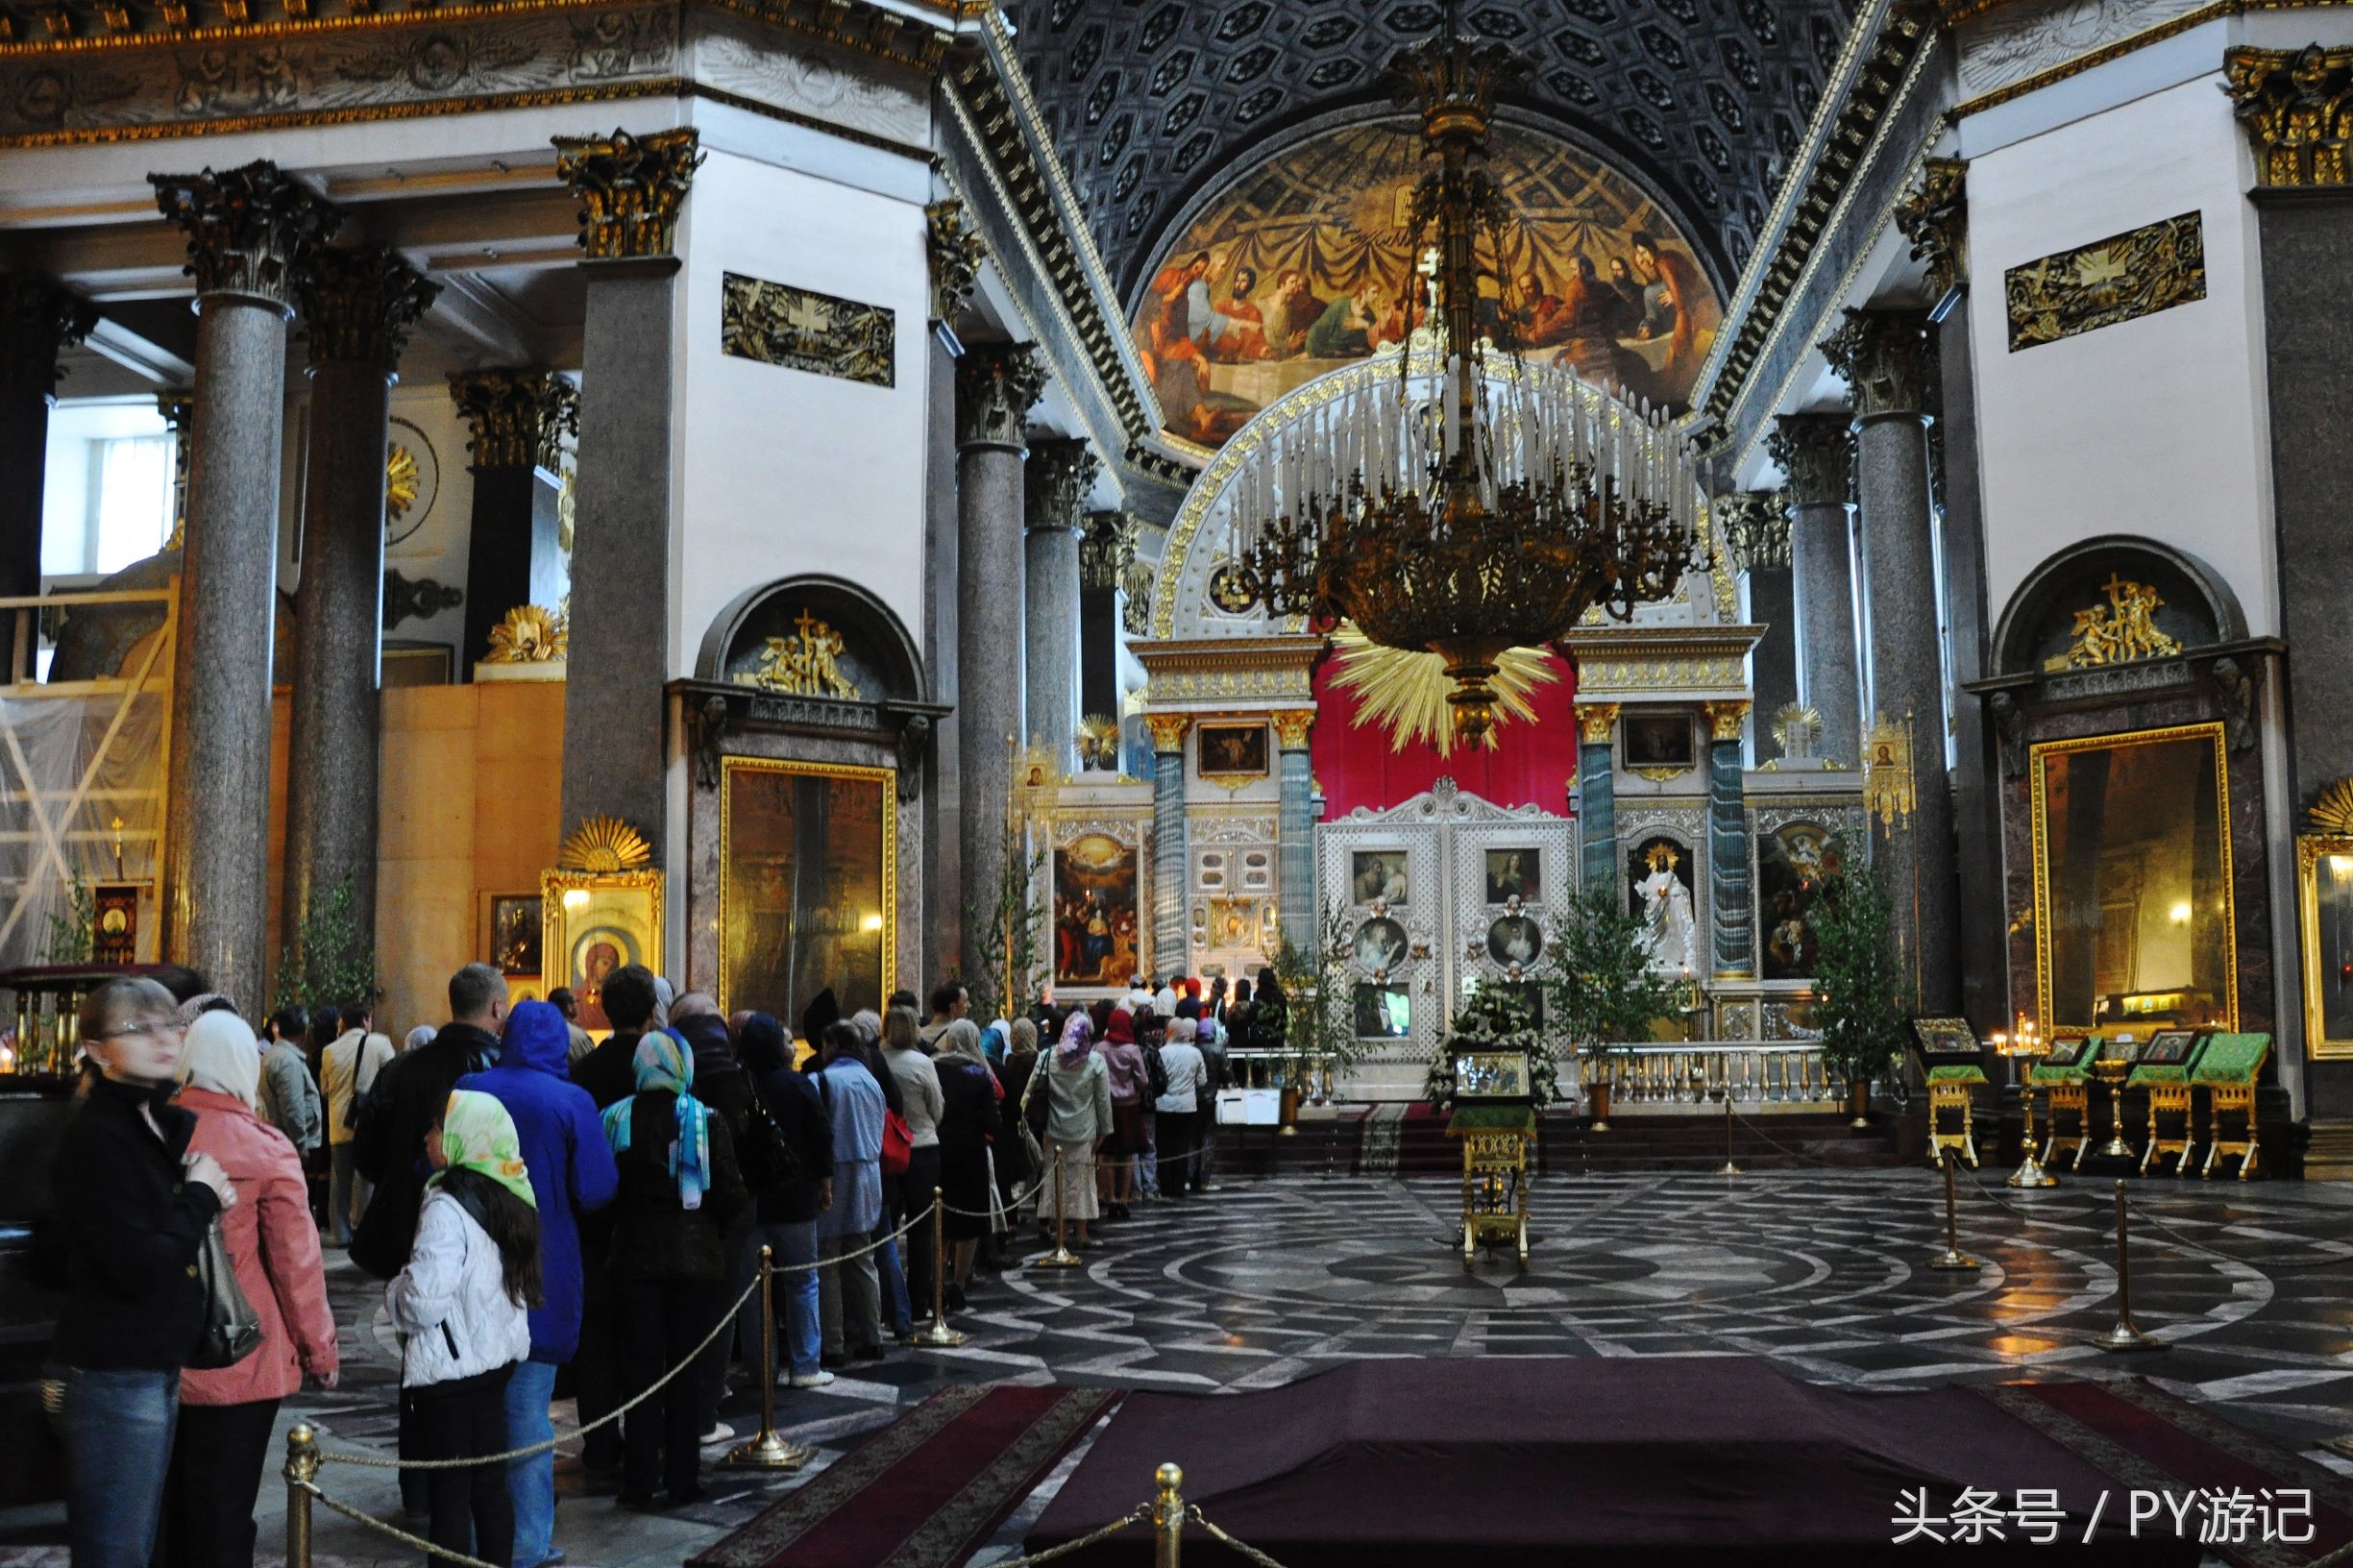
(226, 1415)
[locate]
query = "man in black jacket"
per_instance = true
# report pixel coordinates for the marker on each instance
(609, 1072)
(389, 1147)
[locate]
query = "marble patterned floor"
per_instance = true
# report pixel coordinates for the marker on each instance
(2249, 1289)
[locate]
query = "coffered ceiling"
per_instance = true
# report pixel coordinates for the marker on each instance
(1152, 102)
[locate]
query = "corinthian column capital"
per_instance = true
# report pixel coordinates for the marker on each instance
(1755, 527)
(1060, 473)
(2291, 103)
(630, 188)
(251, 231)
(357, 306)
(1817, 453)
(37, 318)
(956, 255)
(518, 417)
(1106, 549)
(1934, 216)
(997, 385)
(1888, 359)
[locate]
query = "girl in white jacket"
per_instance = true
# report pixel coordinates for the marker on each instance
(460, 1306)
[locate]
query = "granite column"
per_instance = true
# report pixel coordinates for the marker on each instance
(517, 420)
(1057, 478)
(995, 387)
(954, 254)
(1756, 530)
(616, 753)
(1171, 951)
(250, 234)
(1295, 830)
(1888, 357)
(356, 311)
(1106, 550)
(1732, 919)
(37, 318)
(1817, 454)
(1597, 797)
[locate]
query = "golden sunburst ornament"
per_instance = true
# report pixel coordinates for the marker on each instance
(1407, 689)
(2332, 812)
(605, 844)
(530, 634)
(399, 482)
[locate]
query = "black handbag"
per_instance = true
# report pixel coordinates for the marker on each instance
(232, 1329)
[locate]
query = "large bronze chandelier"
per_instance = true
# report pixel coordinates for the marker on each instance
(1476, 502)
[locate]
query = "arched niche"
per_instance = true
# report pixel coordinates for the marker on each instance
(2041, 624)
(761, 641)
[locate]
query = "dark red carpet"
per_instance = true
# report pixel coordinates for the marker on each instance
(925, 1491)
(1685, 1461)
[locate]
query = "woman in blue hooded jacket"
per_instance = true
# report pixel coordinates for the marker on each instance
(572, 1173)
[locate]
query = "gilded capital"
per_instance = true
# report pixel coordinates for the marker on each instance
(1816, 452)
(997, 385)
(1888, 361)
(1168, 730)
(1136, 581)
(1292, 728)
(2296, 107)
(630, 188)
(251, 229)
(956, 254)
(1106, 548)
(37, 318)
(1754, 526)
(357, 306)
(518, 418)
(1934, 216)
(1597, 722)
(1725, 719)
(1059, 473)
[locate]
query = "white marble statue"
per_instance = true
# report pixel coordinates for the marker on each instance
(1672, 934)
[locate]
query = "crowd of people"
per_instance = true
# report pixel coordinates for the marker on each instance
(556, 1216)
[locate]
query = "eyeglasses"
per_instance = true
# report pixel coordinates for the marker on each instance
(152, 1028)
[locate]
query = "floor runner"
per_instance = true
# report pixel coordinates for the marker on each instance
(924, 1492)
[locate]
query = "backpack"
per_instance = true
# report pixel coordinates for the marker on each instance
(769, 1159)
(1155, 1072)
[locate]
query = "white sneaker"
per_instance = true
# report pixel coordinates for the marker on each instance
(718, 1434)
(818, 1378)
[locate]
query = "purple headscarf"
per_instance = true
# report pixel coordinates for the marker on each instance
(1077, 1039)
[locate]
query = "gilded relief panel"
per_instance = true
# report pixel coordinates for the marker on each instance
(2110, 280)
(801, 330)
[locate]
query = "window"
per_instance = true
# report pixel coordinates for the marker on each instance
(107, 495)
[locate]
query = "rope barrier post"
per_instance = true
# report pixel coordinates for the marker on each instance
(1729, 1168)
(1168, 1519)
(938, 1333)
(768, 1451)
(1062, 1257)
(302, 1463)
(2124, 1335)
(1953, 1259)
(2030, 1172)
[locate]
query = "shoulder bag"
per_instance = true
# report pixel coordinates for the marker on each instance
(232, 1329)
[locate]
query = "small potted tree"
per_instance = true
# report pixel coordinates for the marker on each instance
(1600, 991)
(1856, 999)
(1312, 1020)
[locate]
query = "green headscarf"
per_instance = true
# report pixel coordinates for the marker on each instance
(477, 1134)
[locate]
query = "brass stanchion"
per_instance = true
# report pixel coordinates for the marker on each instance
(1168, 1519)
(939, 1332)
(1729, 1168)
(2124, 1335)
(2030, 1171)
(302, 1463)
(1062, 1257)
(768, 1451)
(1953, 1259)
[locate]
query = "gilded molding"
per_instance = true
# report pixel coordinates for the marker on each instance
(1106, 550)
(357, 306)
(518, 417)
(956, 254)
(1055, 481)
(250, 230)
(1816, 452)
(1933, 215)
(801, 330)
(2110, 280)
(1755, 527)
(1597, 723)
(1888, 360)
(39, 318)
(2296, 108)
(630, 188)
(997, 385)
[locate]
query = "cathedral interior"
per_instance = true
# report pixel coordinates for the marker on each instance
(1618, 553)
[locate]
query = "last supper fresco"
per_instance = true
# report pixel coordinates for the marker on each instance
(1307, 263)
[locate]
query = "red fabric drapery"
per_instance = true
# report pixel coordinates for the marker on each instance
(1533, 764)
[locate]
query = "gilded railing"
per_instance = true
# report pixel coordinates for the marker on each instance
(1681, 1073)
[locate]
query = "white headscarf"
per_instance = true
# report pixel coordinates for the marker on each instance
(219, 1055)
(421, 1035)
